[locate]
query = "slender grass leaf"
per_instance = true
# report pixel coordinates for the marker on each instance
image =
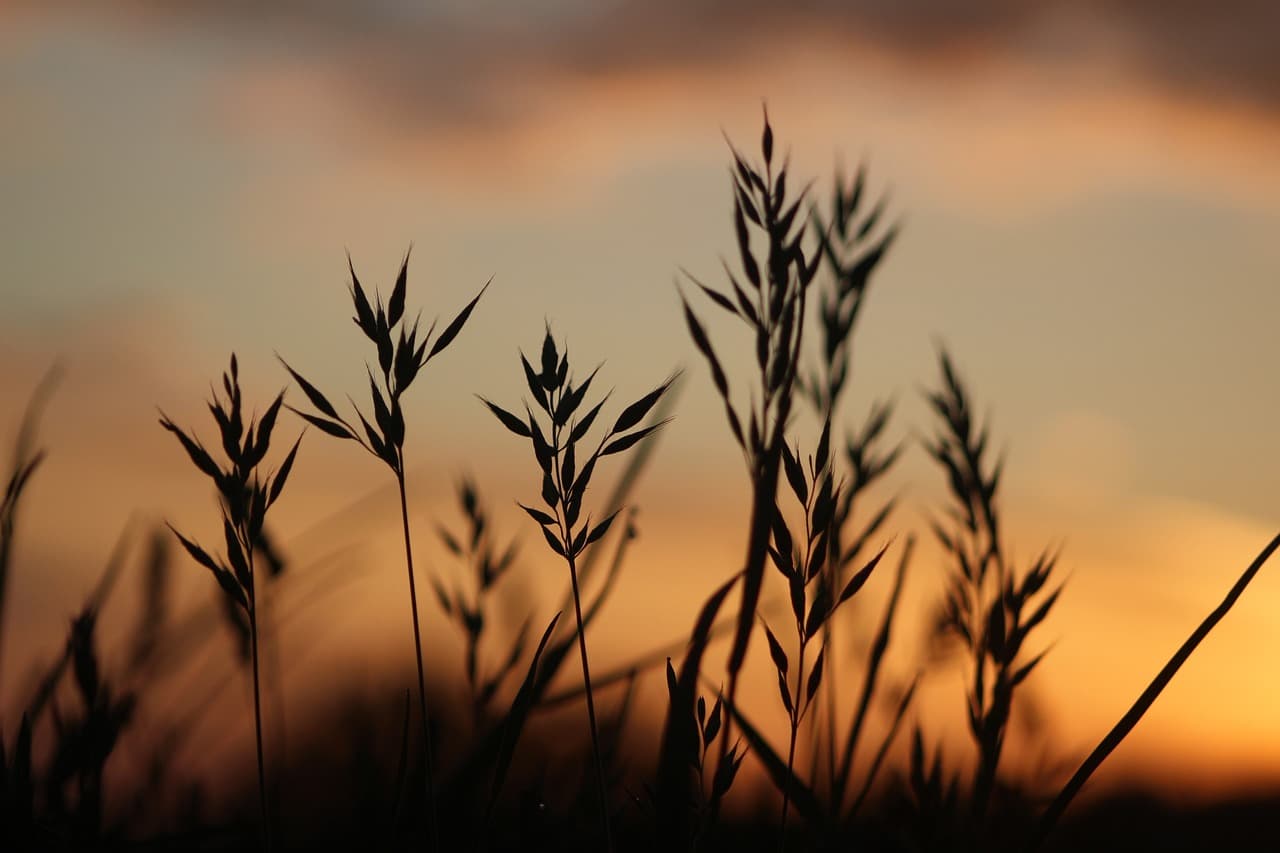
(780, 662)
(198, 454)
(818, 611)
(815, 677)
(313, 394)
(510, 421)
(749, 266)
(621, 444)
(451, 331)
(395, 308)
(601, 528)
(332, 428)
(855, 583)
(549, 359)
(570, 402)
(538, 515)
(784, 690)
(806, 802)
(875, 658)
(236, 555)
(514, 723)
(364, 312)
(282, 475)
(885, 743)
(555, 543)
(580, 429)
(635, 413)
(197, 553)
(535, 384)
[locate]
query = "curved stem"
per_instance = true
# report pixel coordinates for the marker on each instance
(417, 649)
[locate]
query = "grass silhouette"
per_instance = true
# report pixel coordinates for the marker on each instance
(500, 767)
(245, 494)
(400, 359)
(565, 481)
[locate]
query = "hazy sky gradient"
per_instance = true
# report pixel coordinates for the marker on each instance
(1090, 200)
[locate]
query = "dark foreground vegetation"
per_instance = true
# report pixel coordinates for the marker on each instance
(518, 765)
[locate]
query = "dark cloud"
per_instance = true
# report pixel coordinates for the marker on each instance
(455, 62)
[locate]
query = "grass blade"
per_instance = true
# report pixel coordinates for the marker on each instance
(802, 796)
(875, 658)
(1144, 702)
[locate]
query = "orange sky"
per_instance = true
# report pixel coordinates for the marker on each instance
(1088, 224)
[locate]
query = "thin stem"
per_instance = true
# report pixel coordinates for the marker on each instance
(566, 535)
(830, 689)
(1144, 702)
(6, 540)
(591, 706)
(417, 648)
(257, 721)
(275, 676)
(791, 750)
(786, 789)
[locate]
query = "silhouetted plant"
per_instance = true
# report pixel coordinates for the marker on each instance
(801, 563)
(566, 474)
(245, 494)
(17, 777)
(706, 727)
(934, 800)
(470, 608)
(401, 356)
(852, 245)
(1121, 729)
(852, 249)
(83, 743)
(989, 608)
(681, 817)
(772, 306)
(26, 459)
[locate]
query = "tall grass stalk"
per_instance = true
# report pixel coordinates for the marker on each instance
(566, 474)
(1144, 702)
(988, 607)
(772, 306)
(245, 495)
(852, 244)
(401, 356)
(488, 564)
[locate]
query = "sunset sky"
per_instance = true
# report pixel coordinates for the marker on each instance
(1089, 195)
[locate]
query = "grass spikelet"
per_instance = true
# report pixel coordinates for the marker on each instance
(558, 439)
(245, 491)
(401, 356)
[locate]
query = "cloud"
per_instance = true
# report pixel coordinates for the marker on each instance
(457, 63)
(497, 94)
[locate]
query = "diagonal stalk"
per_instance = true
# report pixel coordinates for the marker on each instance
(1144, 702)
(417, 649)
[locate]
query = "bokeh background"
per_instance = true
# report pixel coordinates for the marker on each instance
(1089, 196)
